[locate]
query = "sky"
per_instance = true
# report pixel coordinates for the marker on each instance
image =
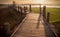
(56, 2)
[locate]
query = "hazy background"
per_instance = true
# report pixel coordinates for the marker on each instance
(55, 2)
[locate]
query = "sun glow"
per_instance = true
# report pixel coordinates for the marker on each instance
(40, 1)
(30, 1)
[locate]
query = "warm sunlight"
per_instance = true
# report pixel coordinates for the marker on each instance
(30, 1)
(40, 1)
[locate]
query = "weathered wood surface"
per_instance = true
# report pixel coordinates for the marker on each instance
(29, 27)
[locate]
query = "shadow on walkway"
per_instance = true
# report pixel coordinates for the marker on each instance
(48, 30)
(38, 21)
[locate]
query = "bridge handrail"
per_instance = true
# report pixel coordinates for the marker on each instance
(54, 33)
(18, 27)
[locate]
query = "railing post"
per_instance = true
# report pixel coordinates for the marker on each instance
(24, 10)
(18, 8)
(44, 12)
(48, 17)
(30, 8)
(40, 9)
(14, 4)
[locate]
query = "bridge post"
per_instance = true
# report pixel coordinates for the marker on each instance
(40, 9)
(44, 12)
(30, 8)
(14, 4)
(18, 8)
(25, 10)
(48, 17)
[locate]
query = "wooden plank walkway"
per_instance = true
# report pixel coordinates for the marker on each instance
(29, 27)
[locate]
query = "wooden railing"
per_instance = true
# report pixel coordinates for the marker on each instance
(46, 21)
(50, 28)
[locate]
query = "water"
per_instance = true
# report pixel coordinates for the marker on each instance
(50, 6)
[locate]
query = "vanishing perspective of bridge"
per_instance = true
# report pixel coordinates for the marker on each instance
(34, 24)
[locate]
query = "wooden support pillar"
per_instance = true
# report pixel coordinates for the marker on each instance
(20, 11)
(14, 4)
(30, 8)
(18, 8)
(44, 12)
(48, 17)
(40, 9)
(24, 9)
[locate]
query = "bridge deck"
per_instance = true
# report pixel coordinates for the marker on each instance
(33, 27)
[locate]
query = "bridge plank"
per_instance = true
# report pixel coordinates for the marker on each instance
(29, 27)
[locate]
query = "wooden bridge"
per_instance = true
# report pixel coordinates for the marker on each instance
(34, 25)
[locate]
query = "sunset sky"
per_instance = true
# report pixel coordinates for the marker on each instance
(56, 2)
